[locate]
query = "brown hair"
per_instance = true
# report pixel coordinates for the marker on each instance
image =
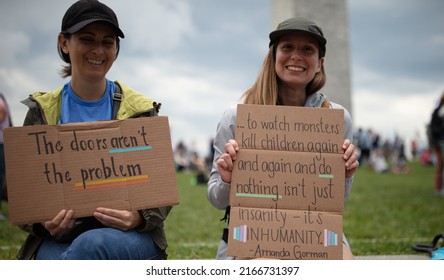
(441, 100)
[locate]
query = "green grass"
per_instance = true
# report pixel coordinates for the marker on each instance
(385, 215)
(193, 227)
(11, 237)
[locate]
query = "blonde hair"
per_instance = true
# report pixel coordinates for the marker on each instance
(265, 90)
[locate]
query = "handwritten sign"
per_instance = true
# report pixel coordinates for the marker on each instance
(117, 164)
(284, 234)
(287, 190)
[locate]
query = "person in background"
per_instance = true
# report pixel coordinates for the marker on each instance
(181, 159)
(437, 143)
(199, 168)
(378, 162)
(89, 43)
(292, 75)
(414, 149)
(5, 121)
(365, 146)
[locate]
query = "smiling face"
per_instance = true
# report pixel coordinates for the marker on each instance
(297, 59)
(92, 51)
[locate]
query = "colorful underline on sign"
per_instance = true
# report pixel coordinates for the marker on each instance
(116, 182)
(257, 195)
(240, 233)
(126, 150)
(330, 238)
(326, 176)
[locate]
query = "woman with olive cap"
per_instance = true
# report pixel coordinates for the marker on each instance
(89, 43)
(292, 75)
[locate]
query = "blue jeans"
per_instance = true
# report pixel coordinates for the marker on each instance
(102, 244)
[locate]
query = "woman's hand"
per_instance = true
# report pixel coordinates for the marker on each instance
(225, 161)
(61, 224)
(119, 219)
(351, 158)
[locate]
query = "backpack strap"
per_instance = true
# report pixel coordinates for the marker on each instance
(226, 218)
(157, 106)
(117, 98)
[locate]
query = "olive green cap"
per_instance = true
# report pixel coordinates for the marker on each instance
(299, 24)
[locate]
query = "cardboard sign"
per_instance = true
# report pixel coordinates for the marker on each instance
(290, 128)
(284, 234)
(124, 165)
(288, 182)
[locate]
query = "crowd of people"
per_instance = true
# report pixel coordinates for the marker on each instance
(382, 155)
(187, 159)
(391, 156)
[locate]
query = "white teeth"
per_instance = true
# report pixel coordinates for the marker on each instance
(97, 62)
(295, 68)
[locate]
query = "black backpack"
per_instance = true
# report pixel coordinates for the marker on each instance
(436, 124)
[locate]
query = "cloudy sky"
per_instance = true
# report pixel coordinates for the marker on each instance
(197, 58)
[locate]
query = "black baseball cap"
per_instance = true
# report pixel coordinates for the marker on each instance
(84, 12)
(299, 24)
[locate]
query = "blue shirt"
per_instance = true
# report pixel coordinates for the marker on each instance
(75, 109)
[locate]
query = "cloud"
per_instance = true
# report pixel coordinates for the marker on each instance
(17, 44)
(198, 57)
(154, 27)
(402, 38)
(192, 99)
(392, 115)
(396, 52)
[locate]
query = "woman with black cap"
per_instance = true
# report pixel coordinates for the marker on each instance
(292, 75)
(89, 43)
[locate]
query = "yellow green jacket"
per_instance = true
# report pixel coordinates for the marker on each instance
(45, 108)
